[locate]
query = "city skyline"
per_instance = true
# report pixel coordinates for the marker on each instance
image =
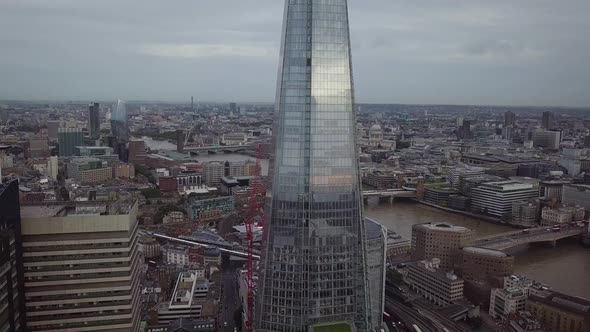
(493, 54)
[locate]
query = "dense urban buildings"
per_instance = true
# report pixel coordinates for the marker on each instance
(12, 304)
(314, 272)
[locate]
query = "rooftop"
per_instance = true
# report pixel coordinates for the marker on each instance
(444, 227)
(75, 208)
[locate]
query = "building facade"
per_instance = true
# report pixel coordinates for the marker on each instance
(120, 130)
(94, 120)
(12, 305)
(314, 257)
(442, 241)
(81, 267)
(440, 287)
(525, 213)
(560, 312)
(486, 265)
(496, 198)
(376, 261)
(68, 139)
(505, 301)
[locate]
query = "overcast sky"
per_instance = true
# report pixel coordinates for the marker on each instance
(509, 52)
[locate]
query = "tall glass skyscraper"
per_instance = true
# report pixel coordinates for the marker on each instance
(120, 130)
(313, 269)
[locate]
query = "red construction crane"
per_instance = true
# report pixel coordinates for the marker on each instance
(255, 212)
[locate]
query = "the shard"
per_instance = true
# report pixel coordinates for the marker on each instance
(313, 271)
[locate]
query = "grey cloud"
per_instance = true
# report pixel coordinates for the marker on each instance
(420, 51)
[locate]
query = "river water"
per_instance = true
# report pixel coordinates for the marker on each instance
(565, 268)
(203, 158)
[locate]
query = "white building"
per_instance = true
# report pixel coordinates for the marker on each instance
(52, 167)
(495, 198)
(435, 285)
(187, 299)
(506, 301)
(177, 255)
(561, 215)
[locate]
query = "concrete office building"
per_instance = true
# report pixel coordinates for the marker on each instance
(525, 213)
(187, 299)
(553, 189)
(433, 283)
(495, 198)
(486, 265)
(561, 215)
(137, 151)
(89, 170)
(213, 172)
(52, 167)
(509, 119)
(577, 194)
(52, 129)
(81, 266)
(458, 174)
(68, 139)
(12, 304)
(546, 139)
(505, 301)
(441, 241)
(313, 263)
(548, 120)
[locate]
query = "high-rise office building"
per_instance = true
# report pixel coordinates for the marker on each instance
(509, 119)
(314, 269)
(547, 121)
(82, 266)
(120, 130)
(12, 305)
(94, 120)
(68, 139)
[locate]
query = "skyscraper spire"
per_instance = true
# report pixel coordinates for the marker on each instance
(313, 266)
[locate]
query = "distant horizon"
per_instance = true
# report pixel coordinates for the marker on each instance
(184, 102)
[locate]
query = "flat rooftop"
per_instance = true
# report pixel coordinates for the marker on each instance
(444, 227)
(73, 208)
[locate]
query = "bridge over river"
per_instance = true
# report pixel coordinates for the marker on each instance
(545, 234)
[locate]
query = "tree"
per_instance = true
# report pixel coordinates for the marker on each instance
(151, 193)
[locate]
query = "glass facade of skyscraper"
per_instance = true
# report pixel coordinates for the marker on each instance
(120, 130)
(313, 267)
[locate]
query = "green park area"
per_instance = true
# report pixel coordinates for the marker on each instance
(343, 327)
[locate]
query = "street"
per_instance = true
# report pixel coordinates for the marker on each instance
(230, 301)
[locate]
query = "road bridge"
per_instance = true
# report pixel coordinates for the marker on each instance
(545, 234)
(389, 194)
(216, 148)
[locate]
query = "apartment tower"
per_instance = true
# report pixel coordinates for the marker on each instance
(313, 270)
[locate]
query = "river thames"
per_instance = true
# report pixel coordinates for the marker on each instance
(565, 268)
